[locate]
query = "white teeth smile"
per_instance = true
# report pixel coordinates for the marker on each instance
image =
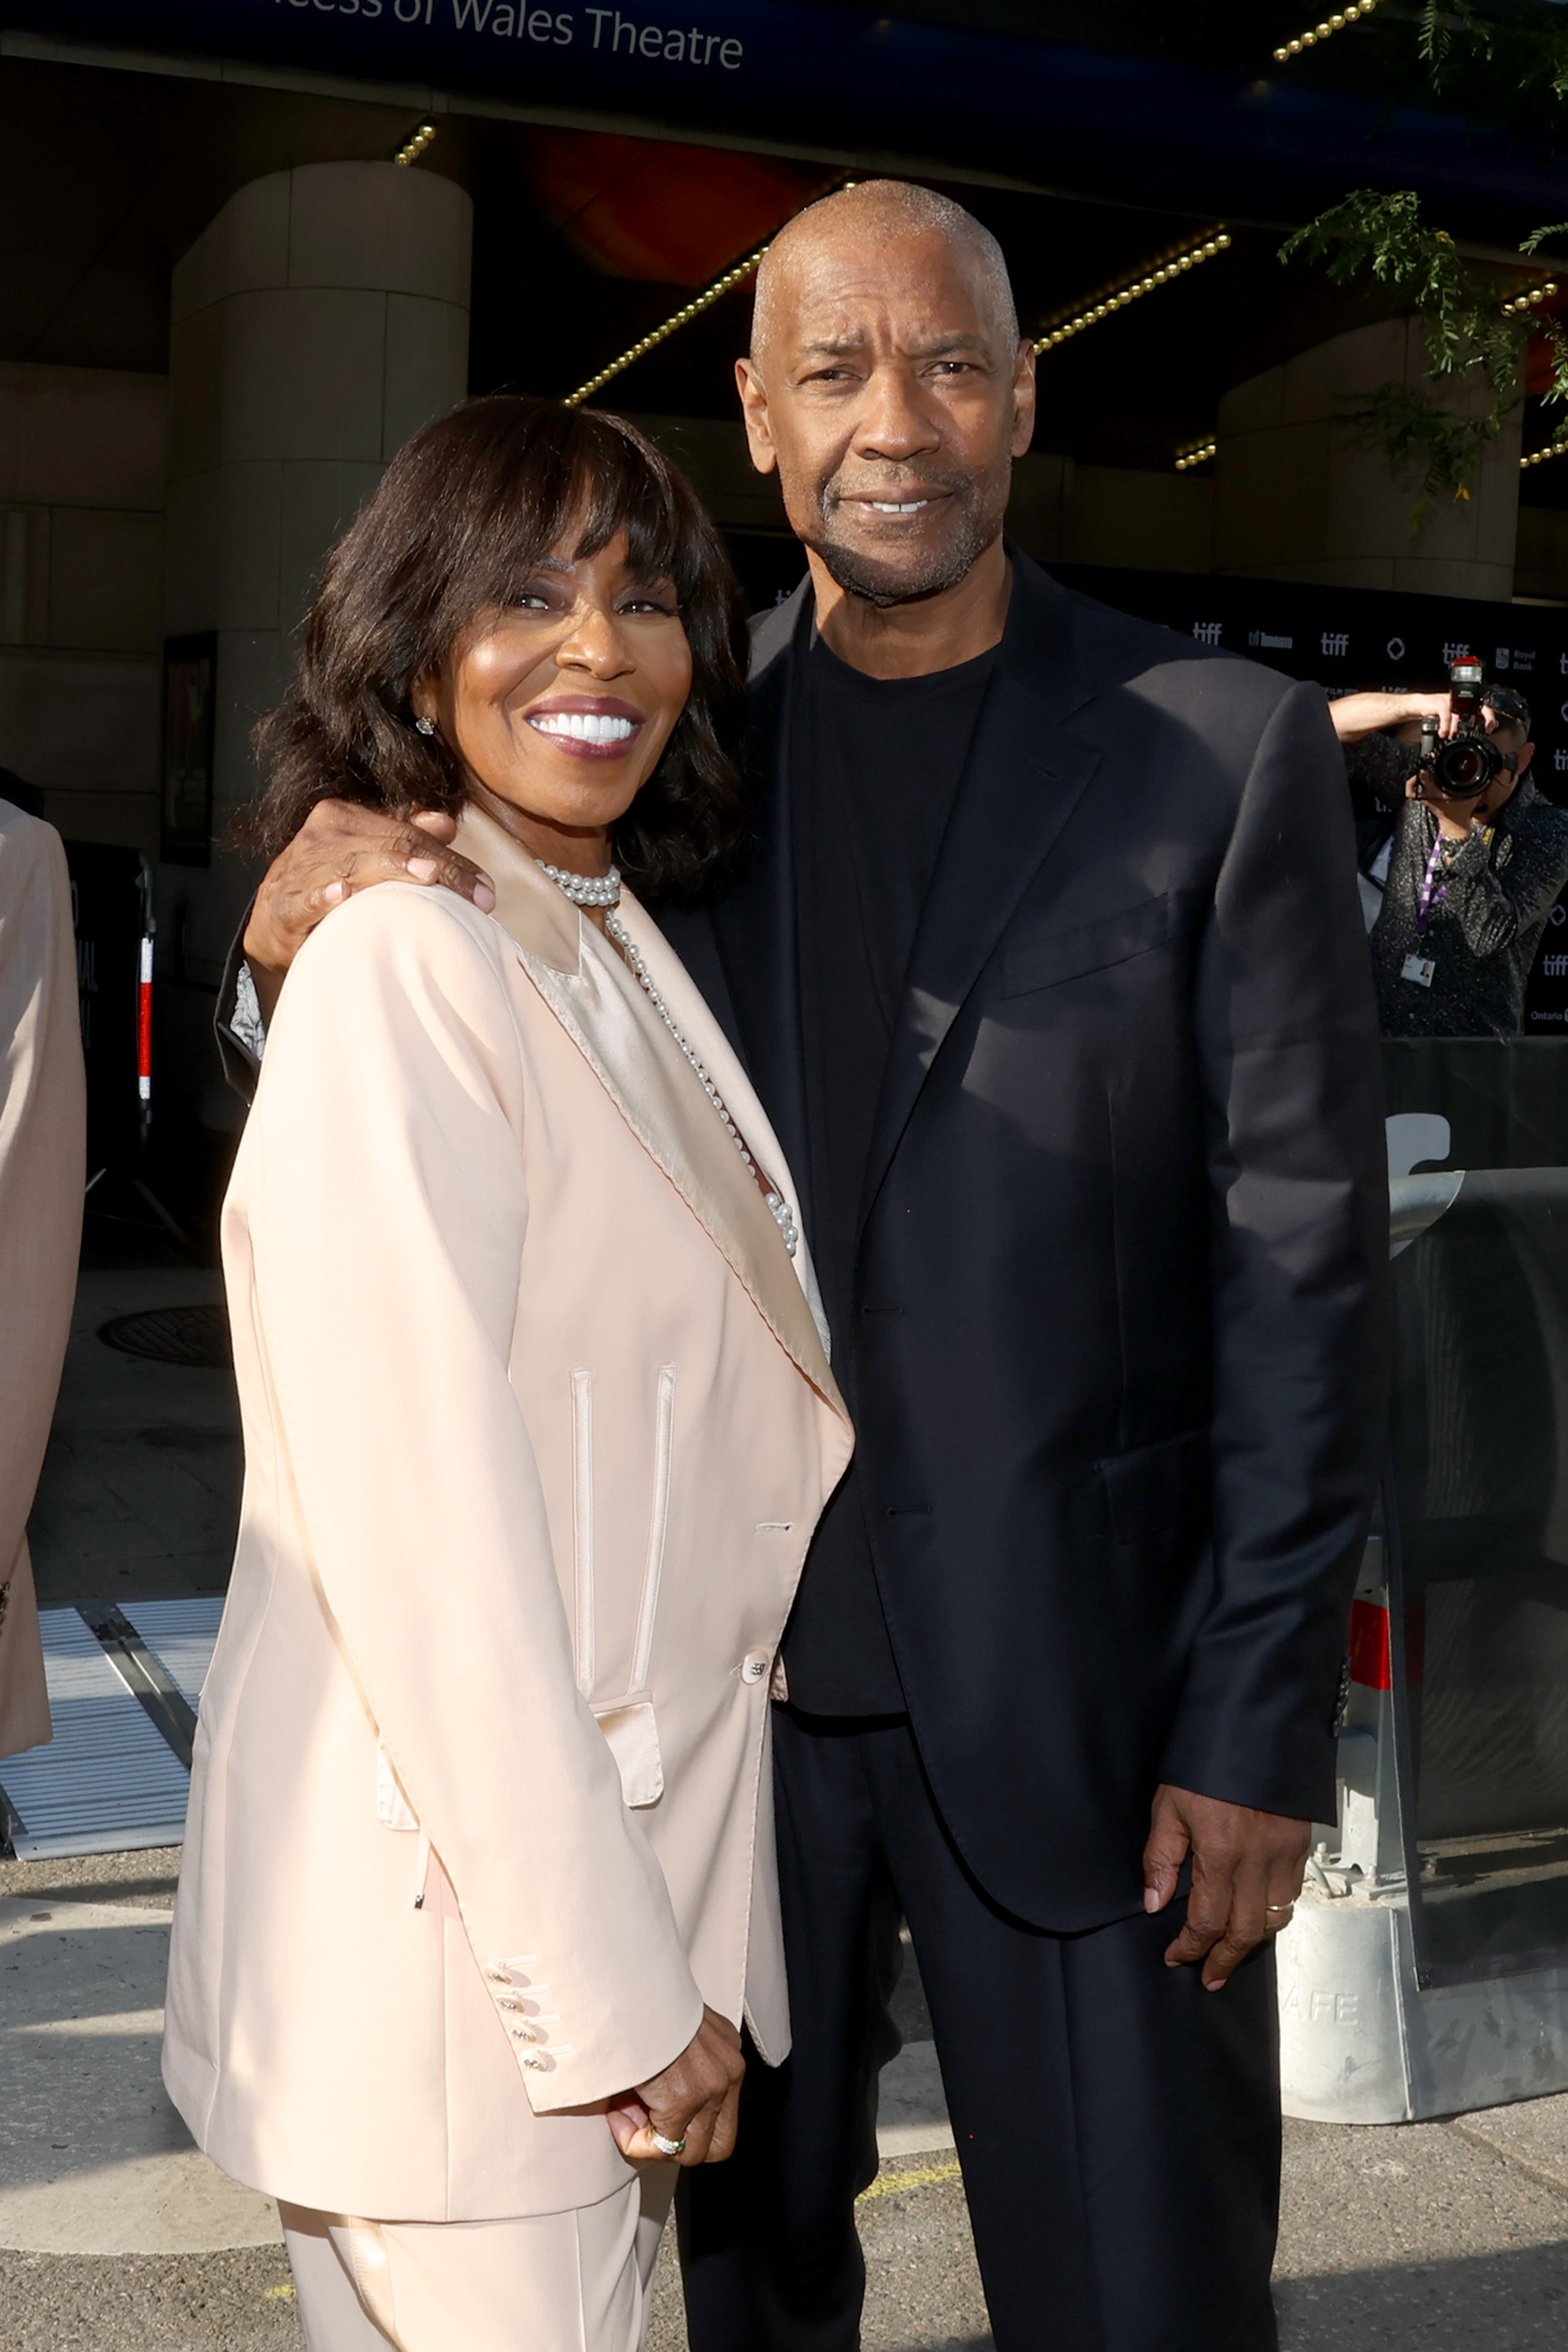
(885, 506)
(584, 726)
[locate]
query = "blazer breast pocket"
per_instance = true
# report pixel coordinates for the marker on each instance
(1046, 960)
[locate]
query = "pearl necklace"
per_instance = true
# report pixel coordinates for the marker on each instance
(585, 891)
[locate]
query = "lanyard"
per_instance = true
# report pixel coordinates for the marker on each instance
(1433, 893)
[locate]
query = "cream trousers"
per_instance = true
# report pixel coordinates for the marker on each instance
(574, 2282)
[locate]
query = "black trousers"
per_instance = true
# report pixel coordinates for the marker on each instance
(1118, 2127)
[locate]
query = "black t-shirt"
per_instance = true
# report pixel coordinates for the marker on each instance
(874, 772)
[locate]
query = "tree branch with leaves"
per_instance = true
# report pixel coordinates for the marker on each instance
(1476, 322)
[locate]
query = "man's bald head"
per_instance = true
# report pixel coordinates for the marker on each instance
(887, 385)
(875, 212)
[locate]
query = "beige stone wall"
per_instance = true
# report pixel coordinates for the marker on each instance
(82, 454)
(260, 489)
(1063, 513)
(1540, 567)
(1060, 512)
(1296, 499)
(319, 320)
(714, 453)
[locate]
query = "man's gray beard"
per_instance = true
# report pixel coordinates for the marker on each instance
(857, 577)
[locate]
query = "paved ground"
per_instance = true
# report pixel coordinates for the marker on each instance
(1410, 2239)
(121, 2236)
(141, 1483)
(1455, 2251)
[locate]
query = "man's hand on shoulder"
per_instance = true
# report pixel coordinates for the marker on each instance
(340, 849)
(1246, 1871)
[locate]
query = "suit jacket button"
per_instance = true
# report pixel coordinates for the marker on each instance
(754, 1666)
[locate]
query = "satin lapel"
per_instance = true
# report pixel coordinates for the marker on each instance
(755, 927)
(757, 1250)
(587, 986)
(1025, 774)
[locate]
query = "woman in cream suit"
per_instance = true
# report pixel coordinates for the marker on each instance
(477, 1884)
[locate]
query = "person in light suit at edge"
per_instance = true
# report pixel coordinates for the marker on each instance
(42, 1172)
(478, 1885)
(1048, 967)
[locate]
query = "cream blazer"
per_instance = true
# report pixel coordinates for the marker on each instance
(539, 1421)
(42, 1172)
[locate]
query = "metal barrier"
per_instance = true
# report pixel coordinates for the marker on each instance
(1426, 1971)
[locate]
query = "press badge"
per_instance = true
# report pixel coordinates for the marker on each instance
(1419, 969)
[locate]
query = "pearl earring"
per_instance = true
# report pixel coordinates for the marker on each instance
(425, 726)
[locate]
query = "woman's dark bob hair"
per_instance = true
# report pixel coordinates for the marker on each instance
(462, 517)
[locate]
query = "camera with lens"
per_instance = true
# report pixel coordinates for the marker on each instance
(1468, 760)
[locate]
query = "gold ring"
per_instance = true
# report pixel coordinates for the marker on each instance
(1279, 1907)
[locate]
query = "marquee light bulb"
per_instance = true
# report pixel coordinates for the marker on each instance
(1528, 301)
(1323, 31)
(671, 325)
(1063, 324)
(677, 318)
(418, 139)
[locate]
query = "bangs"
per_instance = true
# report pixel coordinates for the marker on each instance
(558, 482)
(627, 487)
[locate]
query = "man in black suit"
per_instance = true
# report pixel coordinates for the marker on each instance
(1051, 975)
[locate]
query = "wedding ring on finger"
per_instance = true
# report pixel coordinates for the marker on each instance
(669, 2147)
(1276, 1910)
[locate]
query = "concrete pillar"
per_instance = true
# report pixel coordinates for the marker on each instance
(1296, 499)
(321, 318)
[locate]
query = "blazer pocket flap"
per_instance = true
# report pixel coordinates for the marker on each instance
(1044, 962)
(632, 1732)
(1157, 1488)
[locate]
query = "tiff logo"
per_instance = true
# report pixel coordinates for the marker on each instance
(1554, 967)
(1336, 642)
(1456, 652)
(1208, 633)
(1560, 762)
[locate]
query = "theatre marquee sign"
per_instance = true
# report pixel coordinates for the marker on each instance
(597, 31)
(852, 84)
(516, 49)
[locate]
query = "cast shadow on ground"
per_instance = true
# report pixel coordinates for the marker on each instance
(1514, 2301)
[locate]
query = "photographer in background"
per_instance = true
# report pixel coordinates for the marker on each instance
(1471, 877)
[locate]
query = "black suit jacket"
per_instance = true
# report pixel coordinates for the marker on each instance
(1118, 1338)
